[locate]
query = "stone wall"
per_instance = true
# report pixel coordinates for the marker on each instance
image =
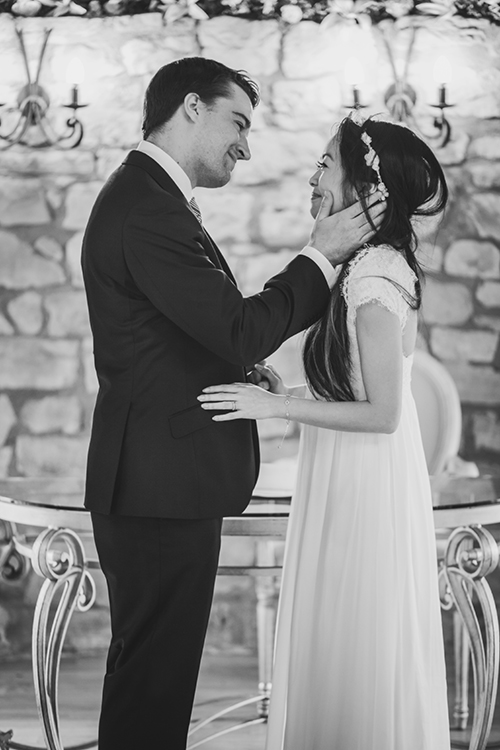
(47, 382)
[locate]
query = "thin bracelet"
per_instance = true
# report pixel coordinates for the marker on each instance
(286, 404)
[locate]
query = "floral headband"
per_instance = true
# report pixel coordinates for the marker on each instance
(372, 160)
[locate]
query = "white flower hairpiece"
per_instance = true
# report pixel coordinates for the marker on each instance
(372, 160)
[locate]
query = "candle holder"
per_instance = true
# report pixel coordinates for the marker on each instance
(354, 77)
(356, 100)
(400, 99)
(33, 104)
(441, 123)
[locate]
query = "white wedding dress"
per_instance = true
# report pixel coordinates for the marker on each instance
(359, 659)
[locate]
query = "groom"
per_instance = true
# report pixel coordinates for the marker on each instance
(168, 320)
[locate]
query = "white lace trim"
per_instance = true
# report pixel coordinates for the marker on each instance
(352, 266)
(376, 287)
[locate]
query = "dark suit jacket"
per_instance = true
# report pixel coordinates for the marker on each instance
(168, 320)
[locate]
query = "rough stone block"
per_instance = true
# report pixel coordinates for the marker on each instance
(252, 272)
(276, 153)
(484, 210)
(55, 196)
(484, 175)
(479, 81)
(488, 321)
(143, 56)
(79, 201)
(455, 151)
(22, 268)
(49, 248)
(486, 430)
(283, 214)
(74, 259)
(5, 327)
(226, 213)
(38, 363)
(488, 294)
(26, 312)
(300, 105)
(472, 346)
(445, 303)
(22, 202)
(427, 228)
(430, 256)
(310, 50)
(472, 258)
(476, 384)
(241, 44)
(51, 456)
(119, 94)
(5, 459)
(90, 376)
(49, 161)
(108, 160)
(7, 417)
(52, 414)
(486, 147)
(68, 314)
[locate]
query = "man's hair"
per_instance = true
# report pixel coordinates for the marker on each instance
(207, 78)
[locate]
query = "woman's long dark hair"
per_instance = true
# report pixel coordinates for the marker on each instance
(417, 187)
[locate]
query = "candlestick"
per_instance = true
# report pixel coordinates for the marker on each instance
(442, 93)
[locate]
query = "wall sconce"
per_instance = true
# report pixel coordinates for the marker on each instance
(400, 99)
(442, 76)
(33, 103)
(354, 77)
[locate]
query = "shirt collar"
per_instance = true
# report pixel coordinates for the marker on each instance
(170, 166)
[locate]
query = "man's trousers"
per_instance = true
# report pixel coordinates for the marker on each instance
(160, 574)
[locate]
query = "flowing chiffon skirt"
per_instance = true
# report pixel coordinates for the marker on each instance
(359, 659)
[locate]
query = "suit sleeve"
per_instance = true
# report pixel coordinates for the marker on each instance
(165, 256)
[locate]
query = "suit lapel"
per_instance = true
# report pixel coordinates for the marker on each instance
(138, 159)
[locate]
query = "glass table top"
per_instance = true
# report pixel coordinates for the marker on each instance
(67, 492)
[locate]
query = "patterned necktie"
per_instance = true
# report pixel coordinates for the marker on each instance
(195, 209)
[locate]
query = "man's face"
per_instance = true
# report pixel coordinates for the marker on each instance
(222, 138)
(328, 176)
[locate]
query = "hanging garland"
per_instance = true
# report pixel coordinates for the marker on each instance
(289, 11)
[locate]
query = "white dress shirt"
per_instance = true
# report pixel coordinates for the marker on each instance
(183, 182)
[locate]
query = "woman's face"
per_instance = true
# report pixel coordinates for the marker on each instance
(329, 176)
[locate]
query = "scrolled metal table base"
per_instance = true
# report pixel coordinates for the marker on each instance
(66, 575)
(58, 556)
(471, 554)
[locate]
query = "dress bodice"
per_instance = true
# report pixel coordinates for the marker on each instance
(381, 275)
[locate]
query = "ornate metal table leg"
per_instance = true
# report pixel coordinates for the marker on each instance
(267, 590)
(66, 572)
(471, 554)
(461, 650)
(13, 565)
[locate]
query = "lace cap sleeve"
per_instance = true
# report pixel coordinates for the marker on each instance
(379, 274)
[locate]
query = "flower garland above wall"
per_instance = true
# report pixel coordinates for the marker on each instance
(290, 11)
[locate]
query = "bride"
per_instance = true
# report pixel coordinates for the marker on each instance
(359, 660)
